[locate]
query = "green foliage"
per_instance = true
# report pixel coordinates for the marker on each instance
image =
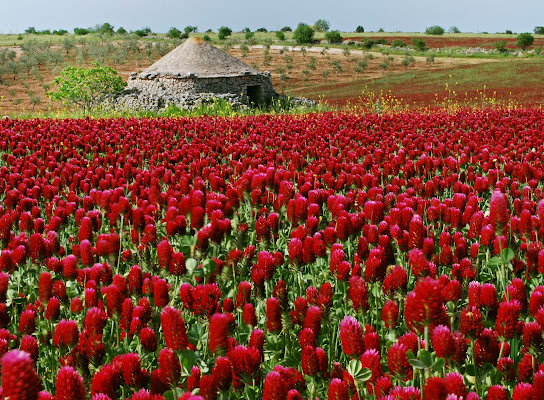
(321, 25)
(333, 37)
(434, 30)
(174, 33)
(419, 44)
(280, 35)
(303, 34)
(286, 29)
(500, 45)
(84, 87)
(105, 28)
(367, 43)
(454, 29)
(407, 61)
(143, 32)
(261, 30)
(248, 34)
(60, 32)
(508, 32)
(539, 30)
(398, 43)
(524, 40)
(223, 32)
(80, 31)
(336, 66)
(121, 31)
(207, 38)
(359, 29)
(190, 29)
(30, 30)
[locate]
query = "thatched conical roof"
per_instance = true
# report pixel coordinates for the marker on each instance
(199, 58)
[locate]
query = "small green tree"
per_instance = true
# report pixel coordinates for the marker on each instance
(286, 29)
(224, 32)
(508, 32)
(321, 25)
(500, 45)
(407, 61)
(261, 30)
(539, 30)
(174, 33)
(434, 30)
(121, 31)
(106, 28)
(419, 44)
(248, 33)
(333, 37)
(143, 32)
(31, 30)
(190, 29)
(359, 29)
(303, 34)
(84, 87)
(398, 43)
(280, 35)
(80, 31)
(454, 29)
(524, 40)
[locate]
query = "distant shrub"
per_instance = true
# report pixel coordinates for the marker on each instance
(207, 38)
(248, 33)
(143, 32)
(280, 35)
(359, 29)
(223, 32)
(60, 32)
(190, 29)
(508, 32)
(286, 29)
(539, 30)
(419, 44)
(333, 37)
(80, 31)
(367, 43)
(454, 29)
(381, 41)
(174, 33)
(321, 25)
(303, 34)
(261, 30)
(524, 40)
(500, 45)
(398, 43)
(434, 30)
(121, 31)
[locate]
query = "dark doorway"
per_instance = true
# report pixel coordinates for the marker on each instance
(254, 94)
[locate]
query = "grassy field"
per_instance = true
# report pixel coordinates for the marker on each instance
(336, 74)
(517, 81)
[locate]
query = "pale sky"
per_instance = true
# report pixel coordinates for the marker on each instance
(345, 15)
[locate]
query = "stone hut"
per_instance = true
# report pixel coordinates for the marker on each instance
(193, 73)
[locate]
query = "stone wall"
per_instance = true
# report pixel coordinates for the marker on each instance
(153, 91)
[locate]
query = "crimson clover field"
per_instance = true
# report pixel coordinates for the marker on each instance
(330, 255)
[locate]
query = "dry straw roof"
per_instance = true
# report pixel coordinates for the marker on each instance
(197, 57)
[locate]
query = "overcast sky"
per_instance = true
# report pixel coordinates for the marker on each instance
(345, 15)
